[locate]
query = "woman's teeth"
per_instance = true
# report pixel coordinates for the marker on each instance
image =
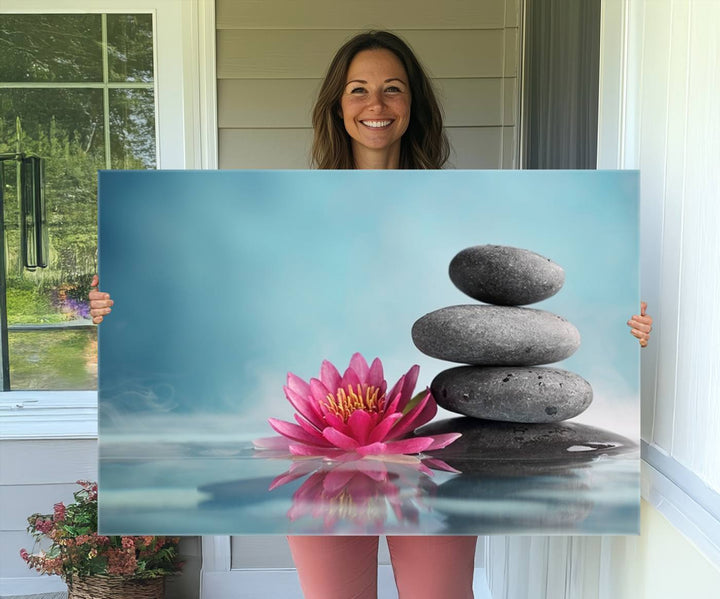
(376, 124)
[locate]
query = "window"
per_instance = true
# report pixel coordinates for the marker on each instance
(78, 91)
(186, 127)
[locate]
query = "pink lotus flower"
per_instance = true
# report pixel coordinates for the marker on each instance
(354, 413)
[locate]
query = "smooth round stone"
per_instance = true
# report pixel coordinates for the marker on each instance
(558, 442)
(504, 275)
(495, 335)
(511, 393)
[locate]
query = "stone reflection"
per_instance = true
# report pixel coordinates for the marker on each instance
(527, 478)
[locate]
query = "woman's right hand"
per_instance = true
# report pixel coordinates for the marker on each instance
(99, 302)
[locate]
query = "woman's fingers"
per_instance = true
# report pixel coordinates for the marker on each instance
(100, 302)
(97, 314)
(641, 325)
(642, 335)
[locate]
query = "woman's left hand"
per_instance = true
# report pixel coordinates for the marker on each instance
(641, 325)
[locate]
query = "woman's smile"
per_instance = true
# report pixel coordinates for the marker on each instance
(377, 124)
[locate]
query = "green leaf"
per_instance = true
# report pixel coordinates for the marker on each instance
(415, 401)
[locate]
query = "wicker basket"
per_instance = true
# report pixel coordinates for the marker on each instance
(116, 587)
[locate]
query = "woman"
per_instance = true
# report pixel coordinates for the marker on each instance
(377, 110)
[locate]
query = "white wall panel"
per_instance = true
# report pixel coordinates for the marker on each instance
(47, 462)
(675, 127)
(265, 148)
(697, 413)
(288, 103)
(672, 236)
(398, 14)
(19, 501)
(652, 116)
(293, 53)
(475, 147)
(34, 475)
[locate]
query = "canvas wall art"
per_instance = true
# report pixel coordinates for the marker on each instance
(369, 352)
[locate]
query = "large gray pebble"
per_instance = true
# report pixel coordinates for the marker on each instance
(504, 275)
(495, 335)
(512, 394)
(560, 442)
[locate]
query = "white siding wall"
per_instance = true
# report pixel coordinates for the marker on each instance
(271, 58)
(660, 85)
(34, 475)
(676, 126)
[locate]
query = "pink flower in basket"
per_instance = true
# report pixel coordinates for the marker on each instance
(355, 413)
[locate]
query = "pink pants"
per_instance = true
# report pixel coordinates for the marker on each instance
(346, 567)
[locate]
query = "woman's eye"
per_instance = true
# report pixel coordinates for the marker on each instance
(393, 89)
(357, 90)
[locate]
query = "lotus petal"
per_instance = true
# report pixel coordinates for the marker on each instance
(440, 441)
(318, 391)
(375, 376)
(419, 415)
(308, 409)
(296, 433)
(329, 375)
(360, 423)
(382, 430)
(271, 443)
(338, 439)
(359, 365)
(297, 384)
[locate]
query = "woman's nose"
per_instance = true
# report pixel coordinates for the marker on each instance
(376, 99)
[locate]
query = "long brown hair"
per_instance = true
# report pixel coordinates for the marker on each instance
(424, 144)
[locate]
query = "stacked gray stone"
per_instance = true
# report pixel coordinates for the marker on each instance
(503, 345)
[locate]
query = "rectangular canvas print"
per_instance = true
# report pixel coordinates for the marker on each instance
(369, 352)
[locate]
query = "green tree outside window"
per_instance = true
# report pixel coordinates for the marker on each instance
(77, 90)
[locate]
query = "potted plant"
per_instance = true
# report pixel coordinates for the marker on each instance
(95, 565)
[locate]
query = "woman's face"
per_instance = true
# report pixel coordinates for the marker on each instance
(375, 103)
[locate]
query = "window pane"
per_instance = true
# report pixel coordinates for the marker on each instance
(130, 47)
(75, 117)
(52, 344)
(65, 127)
(50, 48)
(132, 128)
(53, 359)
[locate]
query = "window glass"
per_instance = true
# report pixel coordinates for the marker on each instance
(53, 359)
(78, 120)
(130, 47)
(132, 128)
(37, 48)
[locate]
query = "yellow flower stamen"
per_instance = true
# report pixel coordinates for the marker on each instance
(343, 506)
(363, 397)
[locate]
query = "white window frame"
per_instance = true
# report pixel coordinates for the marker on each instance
(186, 130)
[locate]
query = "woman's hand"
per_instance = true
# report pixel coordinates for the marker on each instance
(99, 302)
(641, 325)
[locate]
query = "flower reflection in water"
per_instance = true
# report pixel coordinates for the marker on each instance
(367, 494)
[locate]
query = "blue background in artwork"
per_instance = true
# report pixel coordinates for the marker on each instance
(225, 280)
